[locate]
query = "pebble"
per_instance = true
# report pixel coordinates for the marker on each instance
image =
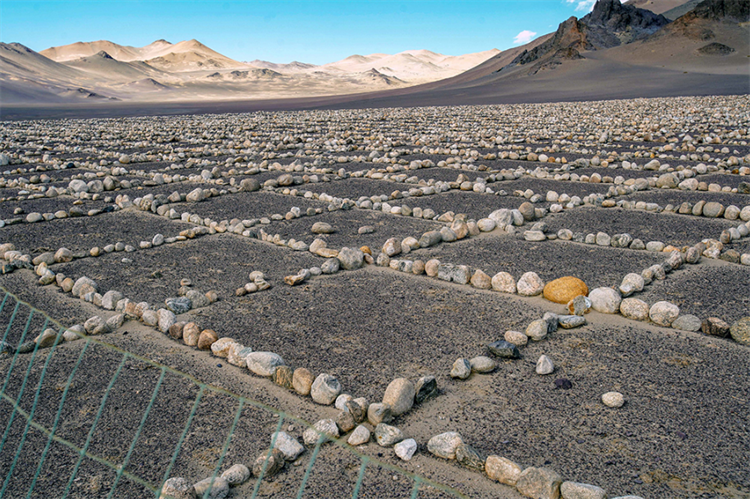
(387, 436)
(177, 488)
(325, 389)
(740, 331)
(631, 283)
(406, 449)
(570, 321)
(351, 258)
(544, 365)
(573, 490)
(468, 457)
(325, 428)
(635, 309)
(539, 483)
(302, 381)
(502, 470)
(530, 284)
(322, 228)
(482, 364)
(605, 300)
(425, 389)
(461, 369)
(504, 283)
(268, 464)
(713, 326)
(516, 337)
(263, 363)
(379, 413)
(360, 436)
(663, 313)
(613, 399)
(212, 488)
(504, 349)
(686, 322)
(399, 396)
(445, 444)
(236, 475)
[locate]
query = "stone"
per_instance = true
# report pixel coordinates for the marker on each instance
(613, 399)
(580, 305)
(302, 381)
(110, 299)
(212, 488)
(406, 449)
(482, 364)
(486, 224)
(178, 306)
(570, 321)
(96, 325)
(249, 185)
(177, 488)
(573, 490)
(238, 355)
(269, 463)
(467, 457)
(400, 396)
(331, 266)
(480, 280)
(322, 228)
(236, 475)
(345, 422)
(392, 247)
(63, 255)
(47, 338)
(713, 209)
(504, 283)
(325, 389)
(445, 444)
(264, 363)
(425, 389)
(527, 211)
(740, 331)
(635, 309)
(461, 369)
(539, 483)
(603, 239)
(360, 436)
(220, 347)
(386, 435)
(631, 283)
(713, 326)
(564, 289)
(379, 413)
(544, 365)
(282, 376)
(502, 470)
(83, 284)
(324, 429)
(207, 338)
(190, 334)
(516, 337)
(165, 319)
(351, 258)
(534, 236)
(530, 284)
(537, 330)
(663, 313)
(687, 322)
(453, 273)
(504, 349)
(605, 300)
(430, 238)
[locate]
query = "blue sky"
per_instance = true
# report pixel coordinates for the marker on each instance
(313, 31)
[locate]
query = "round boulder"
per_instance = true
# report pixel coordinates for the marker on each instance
(564, 289)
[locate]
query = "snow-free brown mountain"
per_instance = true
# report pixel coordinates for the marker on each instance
(616, 51)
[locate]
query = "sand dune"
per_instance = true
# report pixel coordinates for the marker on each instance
(103, 65)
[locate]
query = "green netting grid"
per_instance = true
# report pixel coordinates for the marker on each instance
(120, 469)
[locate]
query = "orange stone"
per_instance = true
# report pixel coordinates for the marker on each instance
(564, 289)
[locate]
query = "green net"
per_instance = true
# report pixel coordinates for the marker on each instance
(87, 418)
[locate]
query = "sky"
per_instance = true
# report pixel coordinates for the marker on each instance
(312, 31)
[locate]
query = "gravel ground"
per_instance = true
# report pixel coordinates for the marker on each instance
(595, 265)
(542, 186)
(669, 228)
(475, 206)
(723, 179)
(716, 289)
(354, 188)
(247, 205)
(676, 197)
(47, 205)
(83, 233)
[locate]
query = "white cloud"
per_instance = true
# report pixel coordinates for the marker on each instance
(524, 36)
(582, 5)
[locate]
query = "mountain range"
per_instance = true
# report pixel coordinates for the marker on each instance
(615, 51)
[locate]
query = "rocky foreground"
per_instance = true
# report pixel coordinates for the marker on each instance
(533, 300)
